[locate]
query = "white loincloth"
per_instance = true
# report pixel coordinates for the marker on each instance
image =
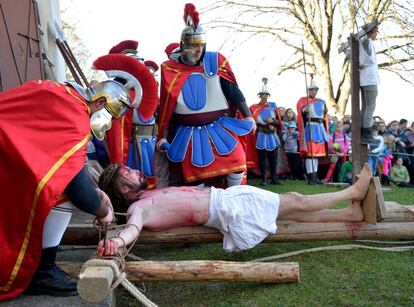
(245, 215)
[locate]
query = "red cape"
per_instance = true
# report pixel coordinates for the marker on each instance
(44, 129)
(173, 77)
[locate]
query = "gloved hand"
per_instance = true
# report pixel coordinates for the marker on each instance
(111, 248)
(163, 144)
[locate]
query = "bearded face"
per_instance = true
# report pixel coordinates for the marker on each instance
(192, 53)
(132, 181)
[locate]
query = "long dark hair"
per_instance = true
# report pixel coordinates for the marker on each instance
(109, 183)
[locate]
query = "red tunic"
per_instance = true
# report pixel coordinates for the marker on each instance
(44, 129)
(173, 77)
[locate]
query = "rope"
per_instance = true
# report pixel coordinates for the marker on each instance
(120, 278)
(336, 247)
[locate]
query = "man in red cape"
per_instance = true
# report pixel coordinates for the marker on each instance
(44, 129)
(313, 131)
(263, 147)
(199, 96)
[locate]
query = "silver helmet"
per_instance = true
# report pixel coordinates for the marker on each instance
(264, 89)
(192, 34)
(118, 101)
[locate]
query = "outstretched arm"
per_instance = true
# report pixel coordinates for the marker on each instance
(127, 235)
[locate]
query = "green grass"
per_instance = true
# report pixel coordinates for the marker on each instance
(328, 278)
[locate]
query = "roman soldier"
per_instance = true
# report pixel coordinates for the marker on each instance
(45, 127)
(313, 131)
(198, 103)
(263, 149)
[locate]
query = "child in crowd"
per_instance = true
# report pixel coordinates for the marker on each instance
(375, 149)
(290, 138)
(289, 116)
(399, 174)
(345, 174)
(338, 147)
(389, 141)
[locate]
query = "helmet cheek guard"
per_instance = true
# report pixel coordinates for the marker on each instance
(118, 101)
(138, 79)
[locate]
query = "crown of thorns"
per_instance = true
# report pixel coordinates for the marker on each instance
(108, 175)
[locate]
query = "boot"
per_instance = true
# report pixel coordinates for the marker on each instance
(309, 179)
(275, 179)
(264, 181)
(49, 279)
(367, 138)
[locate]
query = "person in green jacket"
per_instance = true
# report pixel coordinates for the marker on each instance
(399, 174)
(345, 173)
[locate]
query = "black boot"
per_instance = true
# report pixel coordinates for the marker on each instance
(367, 138)
(264, 181)
(309, 179)
(49, 279)
(275, 179)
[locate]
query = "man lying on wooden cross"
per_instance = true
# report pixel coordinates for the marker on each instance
(245, 215)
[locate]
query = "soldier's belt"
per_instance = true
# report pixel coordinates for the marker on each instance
(145, 130)
(317, 120)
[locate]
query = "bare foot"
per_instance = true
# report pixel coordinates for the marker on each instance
(355, 212)
(361, 186)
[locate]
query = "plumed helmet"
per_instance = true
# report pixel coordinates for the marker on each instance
(172, 51)
(118, 101)
(192, 33)
(263, 89)
(128, 47)
(137, 77)
(152, 66)
(313, 85)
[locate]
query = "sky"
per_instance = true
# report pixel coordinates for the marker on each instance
(101, 24)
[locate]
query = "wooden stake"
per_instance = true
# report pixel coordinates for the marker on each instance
(373, 204)
(369, 205)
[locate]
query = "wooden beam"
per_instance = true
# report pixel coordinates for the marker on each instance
(95, 281)
(359, 151)
(287, 232)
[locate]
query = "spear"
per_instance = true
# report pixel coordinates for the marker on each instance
(308, 117)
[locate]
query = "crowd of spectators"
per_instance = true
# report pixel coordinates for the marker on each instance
(391, 159)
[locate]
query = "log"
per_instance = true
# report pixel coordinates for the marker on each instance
(95, 281)
(287, 232)
(394, 212)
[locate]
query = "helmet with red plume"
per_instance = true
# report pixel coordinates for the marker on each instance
(128, 47)
(192, 33)
(137, 77)
(152, 66)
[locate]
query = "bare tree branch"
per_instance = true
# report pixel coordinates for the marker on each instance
(323, 25)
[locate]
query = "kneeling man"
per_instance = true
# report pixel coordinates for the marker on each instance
(245, 215)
